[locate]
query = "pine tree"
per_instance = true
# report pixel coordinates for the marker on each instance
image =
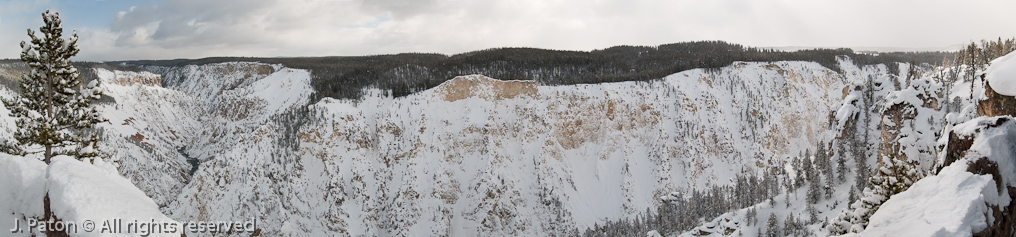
(808, 169)
(774, 226)
(823, 155)
(788, 225)
(861, 171)
(814, 193)
(852, 196)
(812, 213)
(828, 187)
(841, 167)
(799, 179)
(54, 111)
(751, 216)
(893, 177)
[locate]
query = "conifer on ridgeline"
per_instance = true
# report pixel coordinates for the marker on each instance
(54, 111)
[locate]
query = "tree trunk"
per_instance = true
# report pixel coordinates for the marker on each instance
(48, 215)
(47, 212)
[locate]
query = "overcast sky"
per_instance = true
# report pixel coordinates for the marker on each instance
(168, 29)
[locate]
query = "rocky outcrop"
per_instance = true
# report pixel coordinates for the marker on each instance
(996, 104)
(997, 161)
(126, 78)
(911, 122)
(485, 87)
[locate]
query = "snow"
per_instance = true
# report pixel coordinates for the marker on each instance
(847, 110)
(954, 202)
(484, 164)
(949, 204)
(1001, 74)
(604, 151)
(21, 187)
(79, 192)
(917, 137)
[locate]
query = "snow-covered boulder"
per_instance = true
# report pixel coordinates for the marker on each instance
(1000, 88)
(1001, 75)
(21, 187)
(79, 192)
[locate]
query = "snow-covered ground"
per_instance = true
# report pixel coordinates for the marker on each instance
(79, 192)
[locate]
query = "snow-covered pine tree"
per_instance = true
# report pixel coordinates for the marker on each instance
(814, 193)
(799, 177)
(808, 167)
(773, 229)
(788, 225)
(812, 213)
(861, 161)
(820, 159)
(827, 165)
(828, 187)
(893, 177)
(841, 167)
(852, 196)
(843, 223)
(751, 216)
(54, 112)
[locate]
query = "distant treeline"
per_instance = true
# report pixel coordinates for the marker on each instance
(13, 69)
(345, 77)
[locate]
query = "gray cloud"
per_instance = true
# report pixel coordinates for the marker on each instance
(198, 28)
(400, 8)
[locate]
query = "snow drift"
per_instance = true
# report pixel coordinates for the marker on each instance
(78, 191)
(1001, 74)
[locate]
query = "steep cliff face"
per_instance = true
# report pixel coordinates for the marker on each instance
(147, 124)
(995, 104)
(479, 155)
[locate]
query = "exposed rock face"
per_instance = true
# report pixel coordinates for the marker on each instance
(911, 123)
(135, 78)
(486, 88)
(1002, 218)
(996, 104)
